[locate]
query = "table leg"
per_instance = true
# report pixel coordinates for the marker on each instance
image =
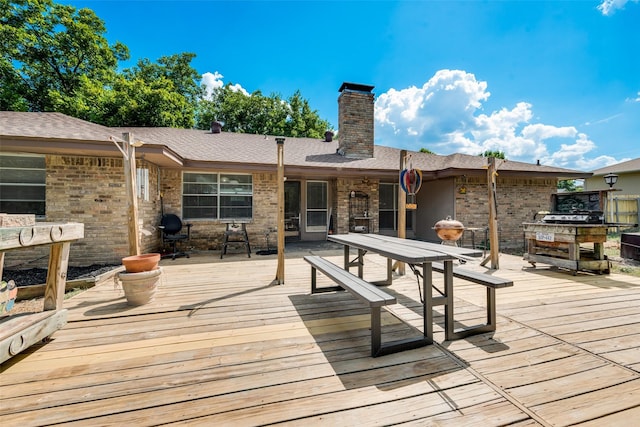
(427, 307)
(598, 250)
(347, 263)
(361, 263)
(448, 295)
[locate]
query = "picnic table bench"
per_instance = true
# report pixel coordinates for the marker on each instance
(369, 294)
(491, 283)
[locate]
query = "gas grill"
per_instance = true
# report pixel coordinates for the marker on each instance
(574, 217)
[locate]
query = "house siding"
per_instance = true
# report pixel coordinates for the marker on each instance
(91, 190)
(208, 234)
(519, 199)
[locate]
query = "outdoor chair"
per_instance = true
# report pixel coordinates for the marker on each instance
(172, 233)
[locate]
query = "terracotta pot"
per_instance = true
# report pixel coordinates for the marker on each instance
(140, 288)
(140, 263)
(449, 229)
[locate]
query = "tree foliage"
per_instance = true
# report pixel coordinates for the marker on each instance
(47, 50)
(257, 113)
(569, 185)
(493, 153)
(54, 57)
(426, 150)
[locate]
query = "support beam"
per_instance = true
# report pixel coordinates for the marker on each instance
(494, 253)
(280, 177)
(399, 267)
(129, 152)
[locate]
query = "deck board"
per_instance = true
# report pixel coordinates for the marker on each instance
(222, 345)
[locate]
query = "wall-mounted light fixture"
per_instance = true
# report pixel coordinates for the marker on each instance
(610, 179)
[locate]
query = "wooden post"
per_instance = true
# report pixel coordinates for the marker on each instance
(280, 271)
(493, 215)
(402, 211)
(56, 276)
(132, 197)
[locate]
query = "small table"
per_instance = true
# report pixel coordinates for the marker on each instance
(236, 233)
(416, 254)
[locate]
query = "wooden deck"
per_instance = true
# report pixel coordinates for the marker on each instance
(222, 346)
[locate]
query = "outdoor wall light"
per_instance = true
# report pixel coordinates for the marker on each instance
(611, 179)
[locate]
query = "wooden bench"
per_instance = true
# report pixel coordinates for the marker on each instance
(491, 283)
(369, 294)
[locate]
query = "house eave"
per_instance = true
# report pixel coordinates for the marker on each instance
(156, 154)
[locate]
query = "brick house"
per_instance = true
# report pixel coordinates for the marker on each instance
(66, 169)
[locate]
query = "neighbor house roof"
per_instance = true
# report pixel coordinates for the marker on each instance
(628, 166)
(57, 133)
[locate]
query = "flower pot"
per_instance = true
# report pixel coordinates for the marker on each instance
(140, 288)
(140, 263)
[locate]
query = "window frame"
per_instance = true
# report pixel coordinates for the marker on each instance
(409, 213)
(39, 213)
(225, 188)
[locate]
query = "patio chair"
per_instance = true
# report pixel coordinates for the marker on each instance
(172, 226)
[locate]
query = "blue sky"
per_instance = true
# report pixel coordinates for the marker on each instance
(555, 81)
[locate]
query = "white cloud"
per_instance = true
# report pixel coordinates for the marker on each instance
(442, 105)
(445, 115)
(638, 98)
(608, 7)
(213, 81)
(571, 154)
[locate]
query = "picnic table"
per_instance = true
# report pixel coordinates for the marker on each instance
(423, 258)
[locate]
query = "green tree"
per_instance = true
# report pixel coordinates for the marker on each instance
(426, 150)
(48, 50)
(568, 185)
(260, 114)
(493, 153)
(162, 94)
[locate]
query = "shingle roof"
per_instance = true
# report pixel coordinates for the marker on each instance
(51, 126)
(200, 145)
(199, 148)
(628, 166)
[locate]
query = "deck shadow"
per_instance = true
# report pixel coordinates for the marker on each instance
(339, 325)
(583, 277)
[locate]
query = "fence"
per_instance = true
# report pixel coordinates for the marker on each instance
(624, 209)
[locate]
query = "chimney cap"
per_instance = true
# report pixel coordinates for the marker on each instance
(355, 87)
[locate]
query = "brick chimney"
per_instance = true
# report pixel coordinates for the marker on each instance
(355, 120)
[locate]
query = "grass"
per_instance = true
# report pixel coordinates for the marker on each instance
(618, 264)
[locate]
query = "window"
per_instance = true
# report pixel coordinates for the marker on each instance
(142, 183)
(389, 208)
(316, 206)
(22, 184)
(213, 196)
